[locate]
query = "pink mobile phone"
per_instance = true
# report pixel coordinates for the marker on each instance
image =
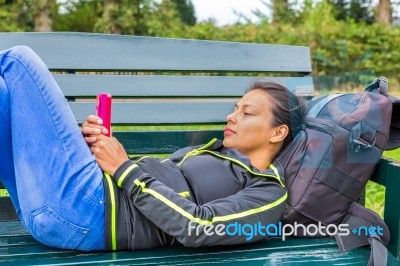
(103, 108)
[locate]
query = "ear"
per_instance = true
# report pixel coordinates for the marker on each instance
(279, 134)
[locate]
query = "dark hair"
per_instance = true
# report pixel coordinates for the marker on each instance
(287, 108)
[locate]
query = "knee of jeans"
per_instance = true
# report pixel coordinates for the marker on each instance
(21, 50)
(22, 53)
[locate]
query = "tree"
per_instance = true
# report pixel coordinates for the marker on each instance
(125, 17)
(279, 8)
(80, 16)
(135, 17)
(283, 11)
(357, 10)
(384, 12)
(361, 10)
(26, 15)
(185, 10)
(15, 16)
(110, 15)
(164, 21)
(42, 13)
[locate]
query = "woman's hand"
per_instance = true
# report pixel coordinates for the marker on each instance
(109, 153)
(92, 128)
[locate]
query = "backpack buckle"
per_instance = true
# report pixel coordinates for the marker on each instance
(355, 135)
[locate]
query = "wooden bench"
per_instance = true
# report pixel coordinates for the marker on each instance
(161, 81)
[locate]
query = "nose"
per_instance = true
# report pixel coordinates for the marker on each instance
(231, 118)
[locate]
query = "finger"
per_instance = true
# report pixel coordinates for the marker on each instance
(101, 140)
(90, 140)
(101, 143)
(94, 120)
(86, 125)
(95, 150)
(94, 130)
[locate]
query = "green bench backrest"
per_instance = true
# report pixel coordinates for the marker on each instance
(159, 81)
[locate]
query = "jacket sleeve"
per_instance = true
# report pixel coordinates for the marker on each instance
(240, 218)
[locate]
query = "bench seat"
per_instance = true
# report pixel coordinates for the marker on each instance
(17, 247)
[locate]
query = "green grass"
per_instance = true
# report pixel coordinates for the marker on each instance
(375, 197)
(395, 154)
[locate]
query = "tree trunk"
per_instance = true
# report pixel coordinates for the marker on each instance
(279, 10)
(43, 15)
(109, 15)
(384, 12)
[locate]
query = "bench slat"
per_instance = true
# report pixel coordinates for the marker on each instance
(90, 51)
(168, 86)
(153, 142)
(187, 112)
(12, 228)
(7, 212)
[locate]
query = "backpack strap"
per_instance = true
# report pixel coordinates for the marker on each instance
(360, 217)
(316, 109)
(378, 255)
(378, 252)
(381, 84)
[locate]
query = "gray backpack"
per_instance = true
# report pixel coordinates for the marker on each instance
(329, 162)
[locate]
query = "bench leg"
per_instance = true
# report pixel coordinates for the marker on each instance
(57, 185)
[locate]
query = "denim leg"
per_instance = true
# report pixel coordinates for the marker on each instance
(7, 174)
(55, 181)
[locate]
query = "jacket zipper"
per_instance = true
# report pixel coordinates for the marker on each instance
(195, 151)
(203, 150)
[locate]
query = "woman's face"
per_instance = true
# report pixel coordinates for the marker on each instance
(249, 128)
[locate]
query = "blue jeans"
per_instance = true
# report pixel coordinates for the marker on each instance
(53, 179)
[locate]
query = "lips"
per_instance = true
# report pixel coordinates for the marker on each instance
(229, 131)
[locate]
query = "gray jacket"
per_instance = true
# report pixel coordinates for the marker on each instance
(200, 196)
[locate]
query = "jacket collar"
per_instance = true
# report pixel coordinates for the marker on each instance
(235, 154)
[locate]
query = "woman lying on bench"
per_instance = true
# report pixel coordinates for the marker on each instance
(84, 193)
